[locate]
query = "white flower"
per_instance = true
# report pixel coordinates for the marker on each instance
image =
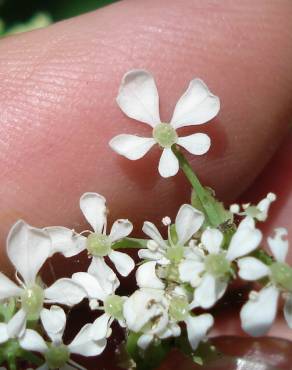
(28, 248)
(100, 284)
(258, 314)
(98, 243)
(14, 328)
(156, 313)
(57, 354)
(188, 221)
(209, 273)
(259, 212)
(138, 99)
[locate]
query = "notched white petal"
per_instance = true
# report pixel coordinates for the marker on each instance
(123, 263)
(212, 240)
(188, 221)
(168, 163)
(279, 244)
(131, 146)
(252, 269)
(65, 291)
(198, 327)
(93, 207)
(197, 144)
(146, 276)
(120, 229)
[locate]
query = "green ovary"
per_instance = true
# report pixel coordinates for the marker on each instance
(179, 308)
(165, 135)
(32, 300)
(57, 356)
(281, 274)
(217, 265)
(113, 305)
(98, 245)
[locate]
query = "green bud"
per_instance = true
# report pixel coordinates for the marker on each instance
(98, 245)
(281, 274)
(179, 308)
(32, 300)
(165, 135)
(113, 305)
(57, 356)
(217, 265)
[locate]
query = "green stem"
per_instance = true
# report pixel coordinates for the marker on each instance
(132, 243)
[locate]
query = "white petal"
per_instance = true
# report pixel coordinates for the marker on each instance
(120, 229)
(197, 105)
(65, 291)
(278, 245)
(8, 288)
(257, 315)
(3, 333)
(188, 221)
(212, 240)
(146, 276)
(138, 97)
(100, 326)
(209, 291)
(246, 239)
(151, 230)
(144, 341)
(32, 341)
(288, 310)
(190, 270)
(251, 268)
(65, 241)
(197, 328)
(123, 263)
(105, 276)
(28, 248)
(90, 284)
(84, 346)
(168, 163)
(54, 322)
(17, 324)
(150, 255)
(93, 206)
(131, 146)
(197, 144)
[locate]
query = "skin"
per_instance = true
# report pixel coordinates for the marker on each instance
(58, 112)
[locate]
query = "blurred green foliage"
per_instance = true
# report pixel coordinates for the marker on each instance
(24, 15)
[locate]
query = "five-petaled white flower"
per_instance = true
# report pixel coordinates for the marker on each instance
(138, 99)
(258, 314)
(57, 354)
(209, 273)
(98, 243)
(28, 248)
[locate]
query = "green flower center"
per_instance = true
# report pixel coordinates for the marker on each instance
(281, 274)
(113, 305)
(57, 356)
(179, 308)
(32, 300)
(217, 265)
(175, 254)
(98, 245)
(165, 135)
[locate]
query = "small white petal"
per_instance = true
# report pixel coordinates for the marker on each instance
(168, 163)
(65, 241)
(278, 245)
(93, 207)
(197, 328)
(123, 263)
(54, 322)
(144, 341)
(3, 333)
(196, 106)
(100, 326)
(150, 255)
(258, 315)
(105, 276)
(65, 291)
(120, 229)
(251, 268)
(245, 240)
(196, 144)
(131, 146)
(90, 284)
(212, 240)
(28, 248)
(288, 310)
(146, 276)
(188, 221)
(151, 230)
(8, 288)
(16, 325)
(32, 341)
(209, 291)
(190, 270)
(84, 346)
(138, 97)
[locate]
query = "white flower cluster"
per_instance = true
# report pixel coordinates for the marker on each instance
(179, 277)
